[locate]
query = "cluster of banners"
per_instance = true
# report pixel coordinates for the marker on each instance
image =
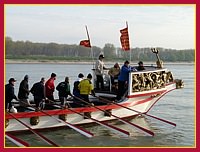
(124, 39)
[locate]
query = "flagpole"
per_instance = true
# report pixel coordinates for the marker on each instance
(129, 43)
(90, 45)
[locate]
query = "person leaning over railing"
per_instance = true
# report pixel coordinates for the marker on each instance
(123, 79)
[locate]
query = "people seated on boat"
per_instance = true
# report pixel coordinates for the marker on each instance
(24, 92)
(63, 89)
(114, 73)
(76, 91)
(140, 66)
(86, 88)
(38, 92)
(50, 87)
(10, 94)
(123, 80)
(99, 70)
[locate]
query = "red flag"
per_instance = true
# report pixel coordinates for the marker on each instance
(85, 43)
(124, 38)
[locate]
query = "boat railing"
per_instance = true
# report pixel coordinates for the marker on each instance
(149, 80)
(106, 79)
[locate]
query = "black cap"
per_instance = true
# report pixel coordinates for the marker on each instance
(89, 76)
(12, 80)
(80, 75)
(140, 62)
(126, 62)
(26, 77)
(53, 75)
(101, 56)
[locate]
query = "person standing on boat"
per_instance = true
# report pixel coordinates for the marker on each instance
(99, 68)
(140, 66)
(24, 92)
(50, 87)
(63, 89)
(38, 92)
(123, 80)
(10, 94)
(86, 88)
(76, 91)
(114, 73)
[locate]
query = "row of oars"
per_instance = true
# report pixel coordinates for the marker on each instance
(82, 131)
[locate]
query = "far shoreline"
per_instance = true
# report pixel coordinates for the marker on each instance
(11, 61)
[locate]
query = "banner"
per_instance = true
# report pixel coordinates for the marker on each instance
(85, 43)
(124, 38)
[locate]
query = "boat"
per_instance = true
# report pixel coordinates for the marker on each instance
(145, 89)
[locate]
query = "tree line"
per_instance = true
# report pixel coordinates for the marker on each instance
(30, 50)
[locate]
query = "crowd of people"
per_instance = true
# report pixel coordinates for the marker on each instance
(44, 90)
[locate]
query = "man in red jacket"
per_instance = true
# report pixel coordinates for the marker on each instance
(50, 87)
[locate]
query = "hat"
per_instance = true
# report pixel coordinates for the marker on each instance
(126, 62)
(53, 75)
(12, 80)
(140, 62)
(101, 56)
(89, 76)
(80, 75)
(26, 77)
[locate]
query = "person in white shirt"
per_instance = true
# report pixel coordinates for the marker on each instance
(99, 67)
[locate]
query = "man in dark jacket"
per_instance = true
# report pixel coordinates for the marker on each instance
(76, 91)
(63, 89)
(140, 66)
(38, 92)
(9, 94)
(24, 92)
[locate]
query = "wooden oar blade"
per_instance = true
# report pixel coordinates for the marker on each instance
(80, 130)
(48, 141)
(166, 121)
(120, 119)
(16, 140)
(117, 130)
(163, 120)
(76, 128)
(113, 128)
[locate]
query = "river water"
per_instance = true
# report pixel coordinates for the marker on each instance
(177, 106)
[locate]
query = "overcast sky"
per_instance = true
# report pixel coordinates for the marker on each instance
(167, 26)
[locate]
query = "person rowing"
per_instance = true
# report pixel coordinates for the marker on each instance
(9, 94)
(63, 89)
(38, 92)
(86, 87)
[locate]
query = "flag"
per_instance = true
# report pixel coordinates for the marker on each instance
(85, 43)
(124, 38)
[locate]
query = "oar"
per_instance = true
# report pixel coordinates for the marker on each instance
(120, 119)
(16, 140)
(112, 128)
(166, 121)
(48, 141)
(76, 128)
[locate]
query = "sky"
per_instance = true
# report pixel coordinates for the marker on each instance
(166, 26)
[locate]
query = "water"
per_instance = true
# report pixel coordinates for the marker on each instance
(177, 106)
